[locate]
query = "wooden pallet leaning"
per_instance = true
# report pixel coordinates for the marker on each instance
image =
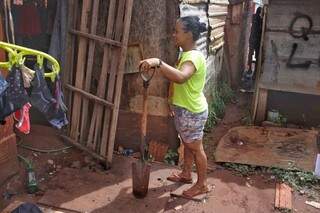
(114, 118)
(95, 129)
(111, 92)
(95, 126)
(70, 51)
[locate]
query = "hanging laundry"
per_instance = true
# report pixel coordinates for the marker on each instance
(28, 22)
(42, 99)
(27, 75)
(15, 95)
(18, 2)
(23, 118)
(3, 84)
(58, 95)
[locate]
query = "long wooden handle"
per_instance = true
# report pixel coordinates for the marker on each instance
(144, 123)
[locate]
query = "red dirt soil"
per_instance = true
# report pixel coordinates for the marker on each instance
(74, 180)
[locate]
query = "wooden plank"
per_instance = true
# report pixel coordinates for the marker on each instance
(270, 147)
(90, 96)
(114, 120)
(112, 81)
(79, 76)
(94, 128)
(262, 105)
(286, 30)
(227, 57)
(283, 198)
(88, 77)
(219, 2)
(70, 52)
(284, 42)
(45, 208)
(96, 38)
(236, 13)
(256, 93)
(217, 8)
(288, 87)
(281, 14)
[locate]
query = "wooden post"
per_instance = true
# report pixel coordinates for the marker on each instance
(70, 46)
(259, 67)
(262, 105)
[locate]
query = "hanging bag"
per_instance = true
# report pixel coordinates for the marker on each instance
(15, 96)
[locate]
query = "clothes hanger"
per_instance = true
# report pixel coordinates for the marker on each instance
(17, 55)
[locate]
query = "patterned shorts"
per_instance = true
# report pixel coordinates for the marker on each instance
(188, 124)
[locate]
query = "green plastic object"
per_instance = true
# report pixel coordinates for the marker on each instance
(17, 54)
(32, 184)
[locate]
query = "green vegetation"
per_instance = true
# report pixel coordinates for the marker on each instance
(298, 180)
(171, 157)
(222, 95)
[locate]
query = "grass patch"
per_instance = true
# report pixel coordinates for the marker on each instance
(298, 180)
(171, 157)
(222, 95)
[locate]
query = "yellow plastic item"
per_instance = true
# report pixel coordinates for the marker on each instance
(16, 55)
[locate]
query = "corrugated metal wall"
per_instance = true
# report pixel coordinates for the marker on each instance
(200, 10)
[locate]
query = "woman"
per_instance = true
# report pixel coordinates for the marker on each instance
(189, 104)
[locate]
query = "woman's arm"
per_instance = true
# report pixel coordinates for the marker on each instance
(171, 73)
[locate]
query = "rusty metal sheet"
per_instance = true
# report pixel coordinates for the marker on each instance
(221, 2)
(270, 147)
(194, 1)
(214, 8)
(216, 20)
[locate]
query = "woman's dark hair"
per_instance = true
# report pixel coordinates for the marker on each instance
(192, 24)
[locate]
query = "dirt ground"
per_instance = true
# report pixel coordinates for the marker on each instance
(73, 180)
